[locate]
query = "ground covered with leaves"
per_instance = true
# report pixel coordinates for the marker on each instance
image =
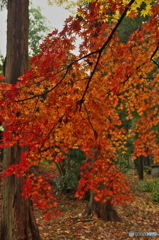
(139, 216)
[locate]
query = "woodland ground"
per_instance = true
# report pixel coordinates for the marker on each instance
(141, 215)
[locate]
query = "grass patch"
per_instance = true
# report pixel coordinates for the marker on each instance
(151, 186)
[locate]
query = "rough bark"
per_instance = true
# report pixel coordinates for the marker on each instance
(18, 222)
(17, 40)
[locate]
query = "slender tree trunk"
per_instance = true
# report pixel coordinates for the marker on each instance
(18, 221)
(130, 162)
(147, 163)
(141, 168)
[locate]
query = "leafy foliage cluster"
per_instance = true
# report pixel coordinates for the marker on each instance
(115, 7)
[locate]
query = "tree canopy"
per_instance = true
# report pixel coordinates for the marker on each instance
(67, 100)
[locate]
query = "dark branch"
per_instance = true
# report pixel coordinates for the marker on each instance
(98, 51)
(88, 117)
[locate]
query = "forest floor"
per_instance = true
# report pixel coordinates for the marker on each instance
(139, 216)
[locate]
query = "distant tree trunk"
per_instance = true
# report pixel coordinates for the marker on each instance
(18, 221)
(130, 162)
(1, 150)
(147, 163)
(105, 211)
(141, 168)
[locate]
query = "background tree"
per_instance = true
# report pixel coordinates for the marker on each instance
(38, 27)
(1, 64)
(69, 171)
(3, 4)
(141, 164)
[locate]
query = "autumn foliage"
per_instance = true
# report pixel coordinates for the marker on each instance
(69, 99)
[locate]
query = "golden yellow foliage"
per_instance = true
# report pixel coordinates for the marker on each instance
(138, 7)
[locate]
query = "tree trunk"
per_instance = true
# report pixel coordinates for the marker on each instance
(147, 163)
(130, 162)
(141, 168)
(17, 40)
(18, 222)
(105, 211)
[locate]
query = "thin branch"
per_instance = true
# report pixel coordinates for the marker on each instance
(155, 63)
(153, 54)
(46, 92)
(99, 51)
(88, 117)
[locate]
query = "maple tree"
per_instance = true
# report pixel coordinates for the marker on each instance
(68, 100)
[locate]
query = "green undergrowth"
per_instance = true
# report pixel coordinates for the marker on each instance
(151, 186)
